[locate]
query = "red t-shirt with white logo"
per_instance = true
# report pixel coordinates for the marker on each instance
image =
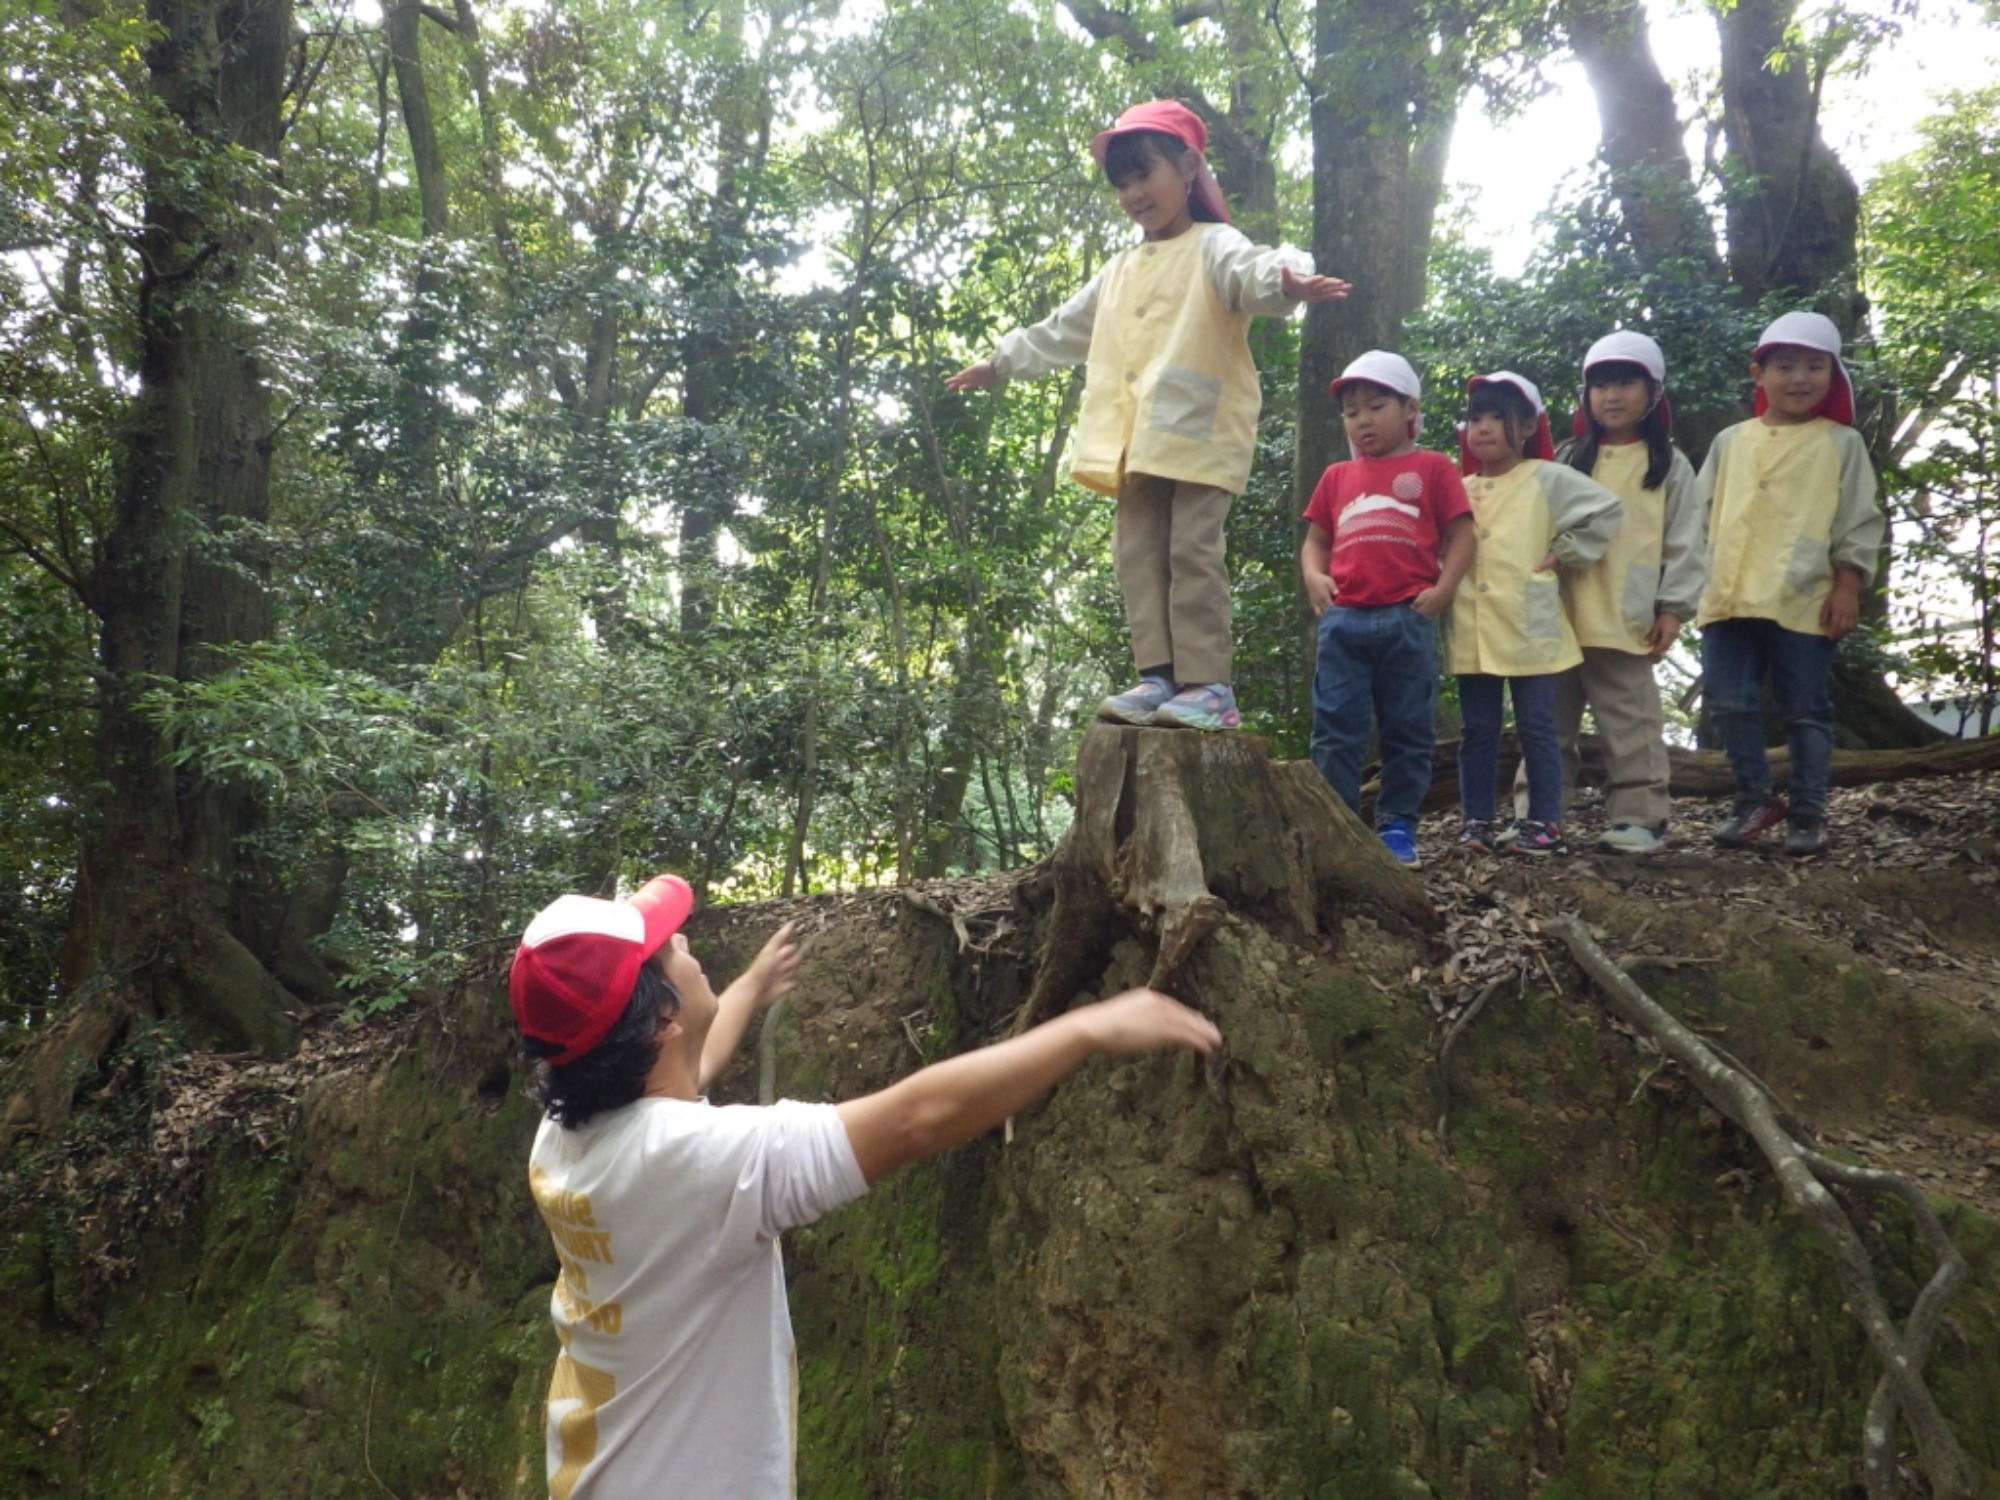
(1387, 518)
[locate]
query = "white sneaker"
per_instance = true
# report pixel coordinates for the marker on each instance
(1632, 838)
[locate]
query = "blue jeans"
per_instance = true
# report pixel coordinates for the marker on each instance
(1479, 744)
(1735, 654)
(1382, 659)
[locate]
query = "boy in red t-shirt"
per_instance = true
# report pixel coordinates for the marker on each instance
(1389, 538)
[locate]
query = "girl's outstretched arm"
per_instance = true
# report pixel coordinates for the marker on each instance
(1311, 288)
(980, 377)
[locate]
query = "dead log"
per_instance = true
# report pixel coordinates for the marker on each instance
(1705, 773)
(1174, 829)
(1803, 1173)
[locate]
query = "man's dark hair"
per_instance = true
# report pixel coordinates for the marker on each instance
(1131, 155)
(1510, 405)
(1582, 453)
(613, 1073)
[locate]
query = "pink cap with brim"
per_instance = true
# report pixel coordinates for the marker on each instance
(1170, 117)
(1625, 347)
(1540, 443)
(1818, 332)
(574, 971)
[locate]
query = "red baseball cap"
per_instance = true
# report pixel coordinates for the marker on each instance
(574, 971)
(1170, 117)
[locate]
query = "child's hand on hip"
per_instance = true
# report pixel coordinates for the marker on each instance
(1319, 593)
(1310, 288)
(980, 377)
(1549, 564)
(1432, 602)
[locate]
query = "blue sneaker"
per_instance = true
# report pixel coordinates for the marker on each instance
(1400, 839)
(1137, 704)
(1204, 706)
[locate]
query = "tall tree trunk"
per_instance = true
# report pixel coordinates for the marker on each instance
(1382, 111)
(1793, 220)
(1641, 135)
(745, 111)
(186, 919)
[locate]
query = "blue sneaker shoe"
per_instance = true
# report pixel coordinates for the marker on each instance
(1137, 704)
(1204, 706)
(1400, 839)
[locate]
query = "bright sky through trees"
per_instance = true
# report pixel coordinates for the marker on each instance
(1508, 170)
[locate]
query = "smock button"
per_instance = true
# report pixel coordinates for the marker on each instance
(1130, 376)
(1484, 535)
(1482, 588)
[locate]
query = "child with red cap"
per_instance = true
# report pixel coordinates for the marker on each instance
(1508, 631)
(1793, 536)
(1388, 537)
(677, 1374)
(1169, 419)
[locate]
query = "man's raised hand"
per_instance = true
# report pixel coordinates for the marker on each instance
(1145, 1021)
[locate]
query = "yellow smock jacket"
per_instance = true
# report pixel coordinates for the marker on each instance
(1169, 388)
(1507, 620)
(1653, 565)
(1785, 506)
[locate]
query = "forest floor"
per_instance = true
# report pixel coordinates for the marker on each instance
(1909, 889)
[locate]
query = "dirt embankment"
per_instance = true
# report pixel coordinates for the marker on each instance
(1321, 1266)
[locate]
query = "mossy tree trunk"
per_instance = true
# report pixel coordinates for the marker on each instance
(187, 920)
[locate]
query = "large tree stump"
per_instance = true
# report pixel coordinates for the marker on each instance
(1173, 829)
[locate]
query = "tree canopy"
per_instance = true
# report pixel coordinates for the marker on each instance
(457, 454)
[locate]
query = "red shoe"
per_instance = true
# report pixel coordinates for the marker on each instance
(1752, 821)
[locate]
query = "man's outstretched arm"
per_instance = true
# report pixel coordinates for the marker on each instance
(966, 1096)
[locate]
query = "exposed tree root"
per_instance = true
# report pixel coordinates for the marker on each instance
(1804, 1172)
(45, 1078)
(1173, 830)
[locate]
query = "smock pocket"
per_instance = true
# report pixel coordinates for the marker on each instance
(1810, 566)
(1543, 614)
(1641, 581)
(1185, 403)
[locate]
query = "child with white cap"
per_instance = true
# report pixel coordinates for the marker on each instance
(1388, 537)
(1170, 399)
(1628, 606)
(1508, 629)
(1793, 533)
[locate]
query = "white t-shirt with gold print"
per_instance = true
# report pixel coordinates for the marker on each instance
(677, 1375)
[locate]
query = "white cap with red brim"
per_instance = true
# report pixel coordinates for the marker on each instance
(1817, 332)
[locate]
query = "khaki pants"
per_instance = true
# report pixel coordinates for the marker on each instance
(1625, 702)
(1167, 549)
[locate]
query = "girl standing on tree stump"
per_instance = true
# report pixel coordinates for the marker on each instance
(1170, 400)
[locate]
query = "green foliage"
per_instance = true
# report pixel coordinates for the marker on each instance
(1933, 224)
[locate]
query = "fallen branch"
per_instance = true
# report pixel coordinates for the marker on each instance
(1465, 1019)
(1803, 1173)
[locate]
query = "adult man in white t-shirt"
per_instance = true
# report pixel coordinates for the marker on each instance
(677, 1376)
